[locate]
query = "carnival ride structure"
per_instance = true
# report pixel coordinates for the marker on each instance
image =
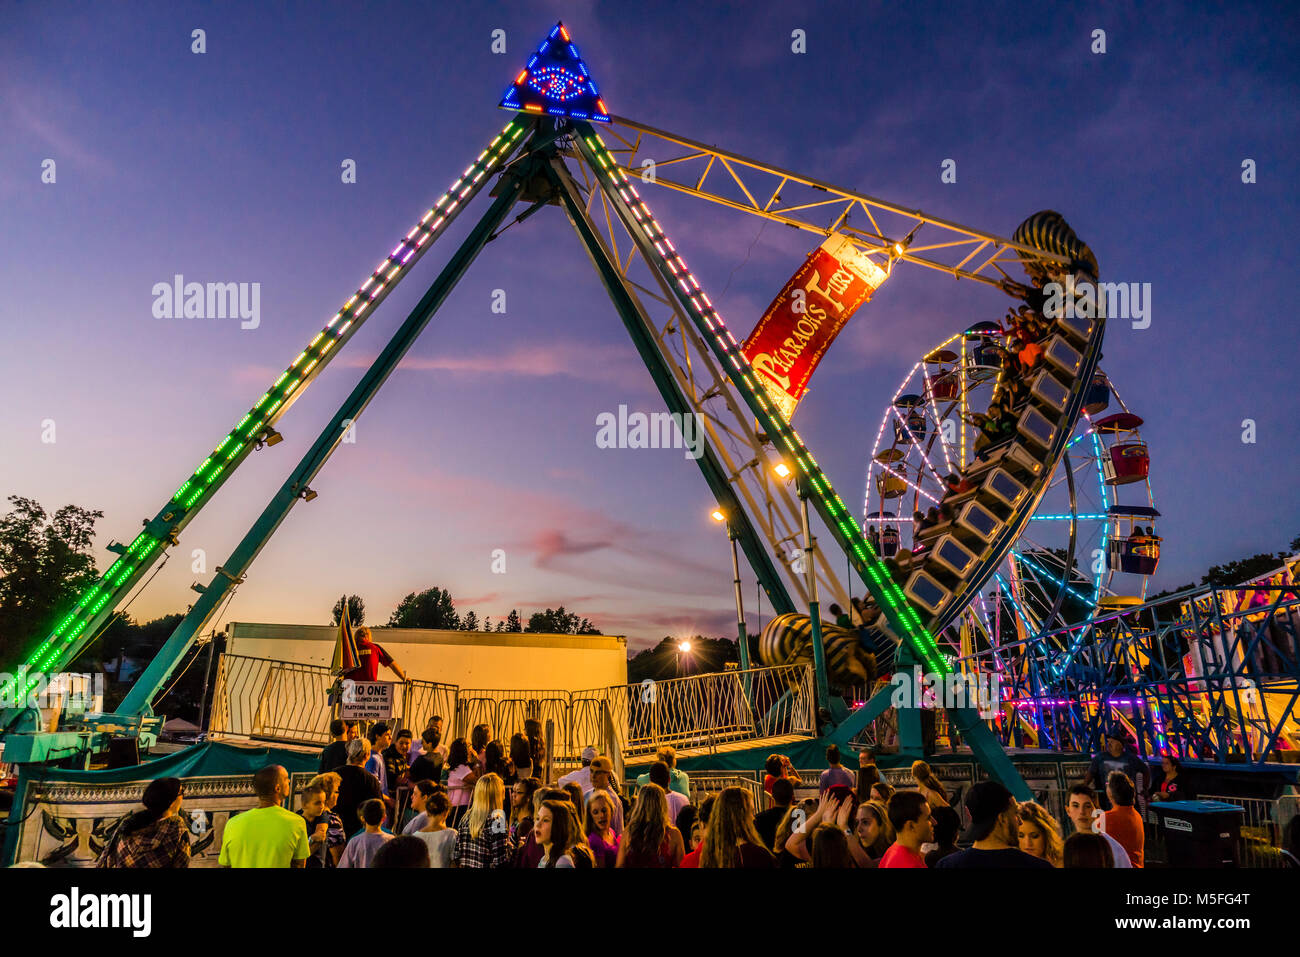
(762, 475)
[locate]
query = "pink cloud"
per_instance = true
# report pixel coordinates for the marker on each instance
(615, 365)
(549, 543)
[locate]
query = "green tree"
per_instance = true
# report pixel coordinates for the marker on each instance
(662, 661)
(469, 622)
(559, 622)
(1242, 571)
(356, 611)
(45, 563)
(512, 621)
(431, 608)
(125, 639)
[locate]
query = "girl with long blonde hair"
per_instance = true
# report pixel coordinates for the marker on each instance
(1039, 834)
(483, 835)
(731, 840)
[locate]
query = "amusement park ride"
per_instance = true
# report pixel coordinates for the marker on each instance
(988, 574)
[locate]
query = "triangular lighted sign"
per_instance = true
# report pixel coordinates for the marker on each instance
(556, 82)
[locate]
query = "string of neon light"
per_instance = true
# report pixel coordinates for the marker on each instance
(934, 412)
(875, 449)
(897, 609)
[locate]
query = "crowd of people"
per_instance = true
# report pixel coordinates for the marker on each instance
(384, 801)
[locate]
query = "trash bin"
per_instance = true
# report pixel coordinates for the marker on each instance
(1200, 833)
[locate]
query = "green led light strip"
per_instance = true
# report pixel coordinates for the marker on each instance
(877, 578)
(213, 469)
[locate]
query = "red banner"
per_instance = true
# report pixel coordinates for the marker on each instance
(805, 318)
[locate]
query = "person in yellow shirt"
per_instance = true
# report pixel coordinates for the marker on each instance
(270, 835)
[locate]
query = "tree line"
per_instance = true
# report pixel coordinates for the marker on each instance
(46, 563)
(434, 608)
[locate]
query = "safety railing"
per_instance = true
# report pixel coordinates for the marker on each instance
(421, 700)
(707, 711)
(704, 783)
(506, 710)
(286, 701)
(1264, 829)
(265, 698)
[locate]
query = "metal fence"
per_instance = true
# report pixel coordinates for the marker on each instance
(1264, 829)
(286, 701)
(421, 700)
(277, 700)
(706, 711)
(704, 783)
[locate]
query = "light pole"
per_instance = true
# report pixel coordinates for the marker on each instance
(741, 635)
(814, 610)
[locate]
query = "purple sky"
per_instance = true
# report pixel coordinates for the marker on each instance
(225, 167)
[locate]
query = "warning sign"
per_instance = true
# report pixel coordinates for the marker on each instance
(366, 700)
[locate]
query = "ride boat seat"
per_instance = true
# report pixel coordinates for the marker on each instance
(1097, 397)
(979, 521)
(1050, 392)
(1001, 487)
(988, 457)
(954, 499)
(923, 589)
(1059, 353)
(890, 484)
(934, 531)
(950, 554)
(1037, 428)
(1127, 462)
(1021, 459)
(1078, 328)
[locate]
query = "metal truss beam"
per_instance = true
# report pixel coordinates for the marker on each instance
(231, 572)
(667, 379)
(746, 457)
(1239, 702)
(781, 196)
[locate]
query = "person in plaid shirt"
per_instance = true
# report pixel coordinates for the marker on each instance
(483, 835)
(154, 837)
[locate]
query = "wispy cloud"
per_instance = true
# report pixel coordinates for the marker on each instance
(32, 115)
(610, 364)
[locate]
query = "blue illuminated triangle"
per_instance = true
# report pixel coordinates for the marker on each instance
(555, 82)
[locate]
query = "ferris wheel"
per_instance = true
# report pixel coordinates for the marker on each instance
(1089, 546)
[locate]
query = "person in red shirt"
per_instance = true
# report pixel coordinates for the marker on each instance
(1123, 822)
(370, 656)
(779, 766)
(909, 812)
(692, 858)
